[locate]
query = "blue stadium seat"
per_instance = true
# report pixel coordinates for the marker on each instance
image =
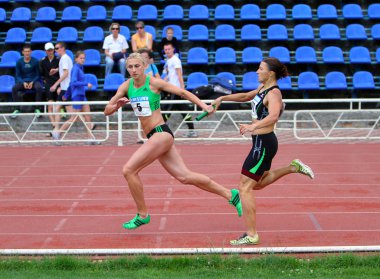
(225, 32)
(113, 81)
(91, 78)
(93, 57)
(176, 29)
(250, 81)
(252, 55)
(150, 29)
(329, 31)
(375, 31)
(9, 59)
(250, 12)
(230, 76)
(352, 11)
(332, 55)
(363, 80)
(67, 34)
(374, 11)
(198, 32)
(124, 30)
(93, 34)
(15, 35)
(285, 83)
(195, 80)
(275, 12)
(224, 12)
(70, 54)
(122, 12)
(378, 55)
(327, 11)
(46, 14)
(38, 54)
(305, 54)
(308, 81)
(301, 12)
(356, 31)
(281, 53)
(173, 12)
(277, 32)
(41, 35)
(21, 14)
(71, 13)
(197, 55)
(360, 55)
(147, 12)
(250, 32)
(198, 12)
(303, 32)
(6, 83)
(335, 80)
(225, 55)
(96, 13)
(3, 15)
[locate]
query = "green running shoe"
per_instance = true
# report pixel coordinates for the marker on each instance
(136, 222)
(235, 201)
(302, 168)
(245, 239)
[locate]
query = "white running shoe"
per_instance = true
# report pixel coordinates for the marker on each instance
(302, 168)
(245, 239)
(55, 135)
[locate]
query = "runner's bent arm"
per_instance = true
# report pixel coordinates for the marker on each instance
(118, 100)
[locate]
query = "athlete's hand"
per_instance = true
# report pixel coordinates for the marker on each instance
(121, 102)
(216, 103)
(247, 128)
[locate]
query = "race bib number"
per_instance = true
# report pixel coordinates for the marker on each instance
(141, 106)
(255, 102)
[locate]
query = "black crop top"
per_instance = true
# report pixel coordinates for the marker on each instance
(259, 111)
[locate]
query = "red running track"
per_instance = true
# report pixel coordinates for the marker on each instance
(76, 197)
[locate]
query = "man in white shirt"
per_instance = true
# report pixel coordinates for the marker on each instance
(115, 47)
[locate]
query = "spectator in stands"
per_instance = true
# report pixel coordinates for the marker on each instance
(141, 39)
(50, 75)
(115, 48)
(64, 68)
(27, 78)
(169, 39)
(173, 75)
(151, 69)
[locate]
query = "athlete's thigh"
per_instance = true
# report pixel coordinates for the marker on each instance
(173, 162)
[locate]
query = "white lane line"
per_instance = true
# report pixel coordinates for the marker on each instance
(60, 225)
(108, 158)
(82, 193)
(99, 170)
(169, 192)
(92, 180)
(162, 224)
(72, 208)
(24, 171)
(158, 241)
(166, 206)
(46, 242)
(13, 180)
(315, 222)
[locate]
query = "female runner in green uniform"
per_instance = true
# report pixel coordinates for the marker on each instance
(143, 92)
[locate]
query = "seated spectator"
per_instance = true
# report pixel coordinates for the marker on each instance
(141, 39)
(151, 69)
(115, 48)
(169, 39)
(27, 78)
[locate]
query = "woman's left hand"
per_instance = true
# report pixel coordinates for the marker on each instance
(244, 128)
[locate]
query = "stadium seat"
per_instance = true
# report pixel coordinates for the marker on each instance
(93, 57)
(195, 80)
(250, 81)
(225, 55)
(198, 32)
(38, 54)
(281, 53)
(352, 11)
(41, 35)
(150, 29)
(15, 35)
(197, 55)
(176, 29)
(71, 13)
(68, 35)
(9, 59)
(70, 54)
(224, 12)
(21, 14)
(124, 30)
(46, 14)
(173, 12)
(356, 32)
(93, 34)
(96, 13)
(378, 55)
(3, 15)
(363, 80)
(329, 31)
(301, 12)
(305, 54)
(375, 31)
(335, 80)
(122, 12)
(374, 11)
(277, 32)
(327, 11)
(285, 83)
(332, 55)
(250, 32)
(252, 55)
(91, 78)
(147, 12)
(303, 32)
(308, 81)
(250, 12)
(113, 81)
(6, 83)
(230, 76)
(225, 32)
(198, 12)
(275, 12)
(360, 55)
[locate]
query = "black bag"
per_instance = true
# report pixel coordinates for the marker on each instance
(117, 56)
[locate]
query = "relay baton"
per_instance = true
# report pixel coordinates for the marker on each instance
(203, 114)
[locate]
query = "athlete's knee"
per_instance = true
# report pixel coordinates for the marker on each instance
(128, 171)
